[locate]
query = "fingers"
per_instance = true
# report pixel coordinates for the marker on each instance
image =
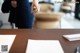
(34, 7)
(34, 10)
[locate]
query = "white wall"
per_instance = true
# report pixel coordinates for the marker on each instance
(1, 1)
(3, 17)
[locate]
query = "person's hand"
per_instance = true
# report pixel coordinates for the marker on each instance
(14, 3)
(35, 7)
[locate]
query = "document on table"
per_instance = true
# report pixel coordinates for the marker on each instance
(44, 46)
(6, 42)
(72, 37)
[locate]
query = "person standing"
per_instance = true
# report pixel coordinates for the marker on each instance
(9, 6)
(21, 13)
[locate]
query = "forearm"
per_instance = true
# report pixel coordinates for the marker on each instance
(35, 6)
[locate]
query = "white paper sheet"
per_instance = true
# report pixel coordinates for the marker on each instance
(6, 40)
(44, 46)
(72, 37)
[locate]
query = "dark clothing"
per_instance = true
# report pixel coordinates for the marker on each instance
(7, 8)
(77, 9)
(12, 16)
(21, 16)
(24, 16)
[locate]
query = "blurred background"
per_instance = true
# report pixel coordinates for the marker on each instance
(57, 15)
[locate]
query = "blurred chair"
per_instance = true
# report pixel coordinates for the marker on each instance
(46, 18)
(66, 7)
(46, 6)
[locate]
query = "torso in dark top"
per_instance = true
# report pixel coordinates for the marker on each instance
(24, 15)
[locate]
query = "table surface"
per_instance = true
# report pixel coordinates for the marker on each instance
(22, 36)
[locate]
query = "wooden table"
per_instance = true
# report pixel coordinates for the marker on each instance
(22, 36)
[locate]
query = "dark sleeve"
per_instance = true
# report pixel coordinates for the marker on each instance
(5, 6)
